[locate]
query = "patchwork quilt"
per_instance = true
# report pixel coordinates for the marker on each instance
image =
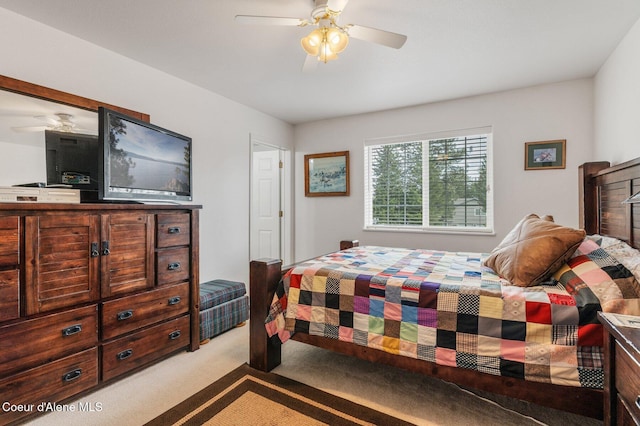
(447, 308)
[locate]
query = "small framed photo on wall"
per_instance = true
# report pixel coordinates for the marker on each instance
(326, 174)
(545, 155)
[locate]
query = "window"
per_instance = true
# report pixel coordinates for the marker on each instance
(438, 182)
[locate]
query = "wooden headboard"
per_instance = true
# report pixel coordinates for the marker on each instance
(603, 188)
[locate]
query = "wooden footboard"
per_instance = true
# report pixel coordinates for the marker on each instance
(264, 277)
(265, 355)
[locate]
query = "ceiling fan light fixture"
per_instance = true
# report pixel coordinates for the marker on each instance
(325, 43)
(326, 53)
(311, 43)
(337, 39)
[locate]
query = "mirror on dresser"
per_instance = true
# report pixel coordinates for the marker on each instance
(26, 110)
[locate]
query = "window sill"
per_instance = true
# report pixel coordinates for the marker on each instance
(448, 231)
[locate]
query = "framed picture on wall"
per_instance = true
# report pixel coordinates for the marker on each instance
(545, 155)
(326, 174)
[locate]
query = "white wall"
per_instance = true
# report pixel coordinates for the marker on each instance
(220, 128)
(617, 102)
(556, 111)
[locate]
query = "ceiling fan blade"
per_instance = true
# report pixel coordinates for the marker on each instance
(26, 129)
(270, 20)
(310, 63)
(29, 129)
(52, 120)
(385, 38)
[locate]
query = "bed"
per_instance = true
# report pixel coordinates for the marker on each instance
(451, 316)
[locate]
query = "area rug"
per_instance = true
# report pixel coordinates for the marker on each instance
(249, 397)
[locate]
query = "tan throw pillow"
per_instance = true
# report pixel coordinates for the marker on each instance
(533, 250)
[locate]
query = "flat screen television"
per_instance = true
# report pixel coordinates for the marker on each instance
(72, 160)
(141, 161)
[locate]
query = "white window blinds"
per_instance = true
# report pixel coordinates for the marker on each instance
(434, 182)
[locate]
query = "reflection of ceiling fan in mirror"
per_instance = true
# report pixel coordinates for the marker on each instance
(329, 38)
(61, 122)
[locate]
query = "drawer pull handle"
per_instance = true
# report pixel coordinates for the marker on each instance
(174, 335)
(72, 375)
(124, 354)
(105, 248)
(174, 230)
(70, 331)
(173, 266)
(174, 300)
(125, 315)
(94, 250)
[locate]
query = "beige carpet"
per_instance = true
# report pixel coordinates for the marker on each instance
(415, 398)
(421, 400)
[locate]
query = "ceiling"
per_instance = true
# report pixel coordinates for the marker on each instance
(455, 48)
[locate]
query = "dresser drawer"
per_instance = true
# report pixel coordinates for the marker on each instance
(172, 265)
(49, 383)
(135, 350)
(173, 230)
(34, 342)
(133, 312)
(9, 240)
(628, 380)
(9, 294)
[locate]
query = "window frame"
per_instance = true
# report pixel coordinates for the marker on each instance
(488, 229)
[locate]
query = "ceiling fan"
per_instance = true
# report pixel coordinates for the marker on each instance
(61, 122)
(329, 38)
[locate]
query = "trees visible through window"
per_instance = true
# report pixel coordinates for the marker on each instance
(429, 184)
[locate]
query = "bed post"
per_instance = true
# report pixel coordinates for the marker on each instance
(264, 276)
(347, 244)
(588, 195)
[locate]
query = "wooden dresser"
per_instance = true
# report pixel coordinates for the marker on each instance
(90, 293)
(622, 370)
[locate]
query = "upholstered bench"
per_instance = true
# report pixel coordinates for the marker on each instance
(223, 305)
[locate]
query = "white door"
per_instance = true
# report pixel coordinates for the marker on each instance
(265, 205)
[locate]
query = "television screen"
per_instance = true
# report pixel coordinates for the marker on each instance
(72, 160)
(141, 161)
